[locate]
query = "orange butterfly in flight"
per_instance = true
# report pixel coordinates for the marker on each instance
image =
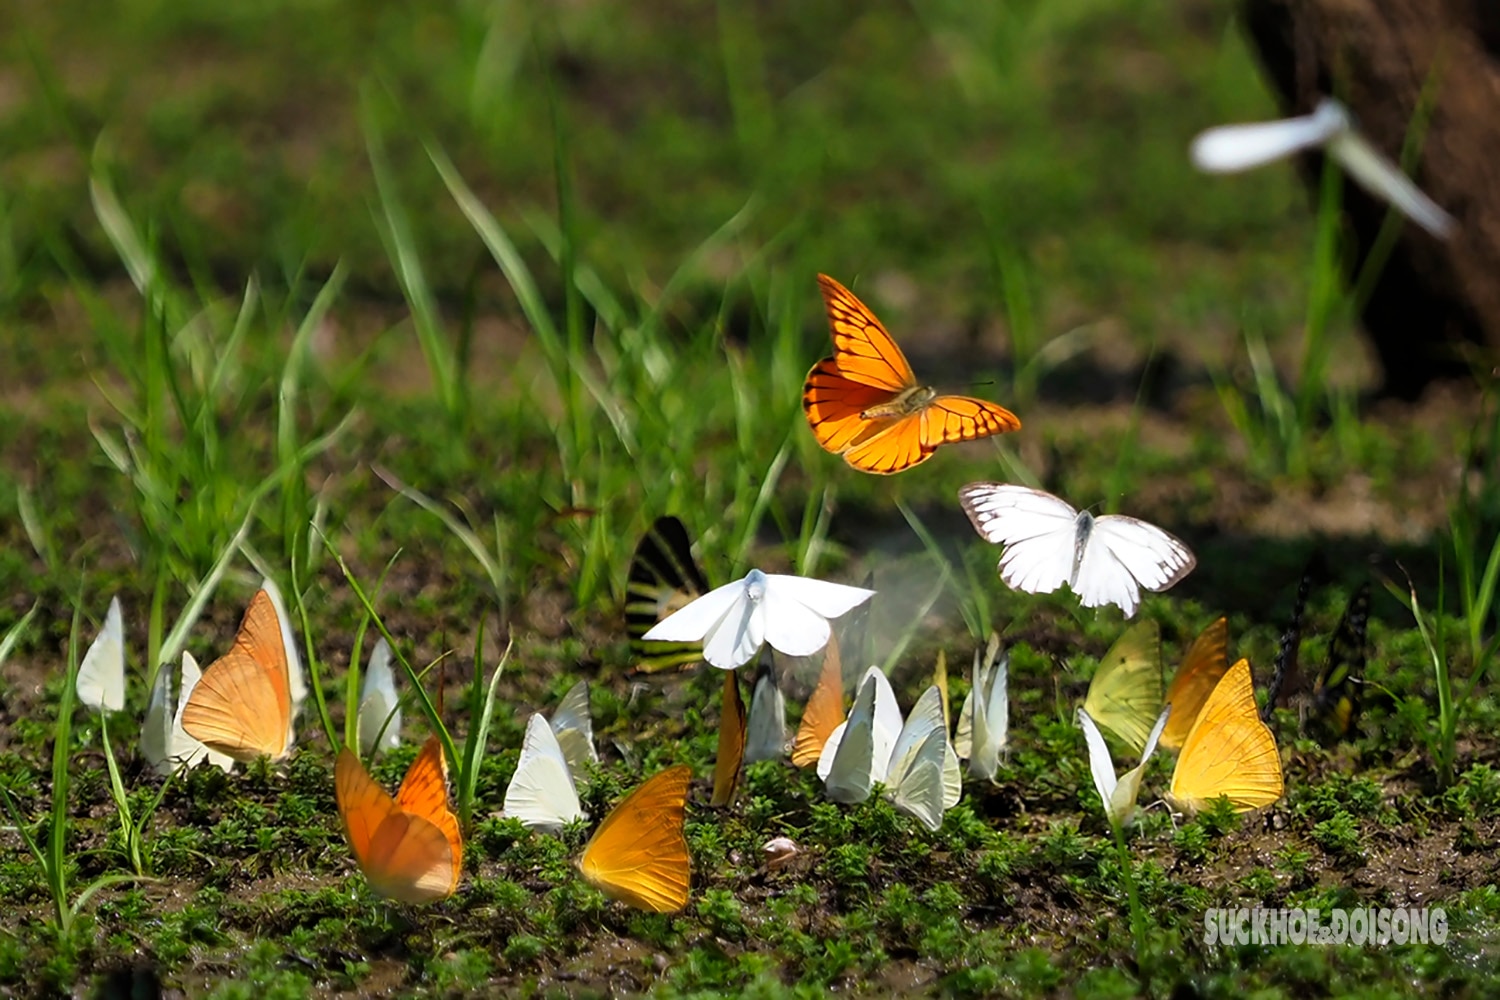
(865, 404)
(243, 705)
(639, 855)
(408, 847)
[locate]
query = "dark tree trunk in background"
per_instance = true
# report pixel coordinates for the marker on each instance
(1436, 302)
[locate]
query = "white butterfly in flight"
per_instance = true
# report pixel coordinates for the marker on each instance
(1232, 148)
(1104, 560)
(789, 612)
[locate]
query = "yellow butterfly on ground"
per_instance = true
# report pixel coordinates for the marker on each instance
(1125, 696)
(731, 756)
(639, 855)
(242, 707)
(864, 402)
(409, 847)
(1229, 751)
(1206, 661)
(824, 711)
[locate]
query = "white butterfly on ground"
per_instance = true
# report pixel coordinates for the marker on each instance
(379, 723)
(164, 743)
(765, 733)
(296, 678)
(1119, 795)
(984, 721)
(1104, 560)
(101, 675)
(541, 793)
(789, 612)
(1232, 148)
(573, 725)
(920, 773)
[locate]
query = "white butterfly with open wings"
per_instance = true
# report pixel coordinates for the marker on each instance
(1104, 560)
(789, 612)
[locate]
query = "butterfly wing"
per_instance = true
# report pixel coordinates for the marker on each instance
(101, 675)
(424, 795)
(1123, 554)
(765, 737)
(1121, 804)
(664, 578)
(991, 718)
(1039, 532)
(1125, 695)
(1232, 148)
(1336, 695)
(1101, 765)
(722, 620)
(920, 788)
(639, 855)
(731, 743)
(541, 793)
(1229, 751)
(295, 677)
(242, 707)
(1382, 178)
(573, 725)
(379, 720)
(1287, 648)
(948, 419)
(1206, 661)
(824, 711)
(835, 405)
(862, 347)
(182, 749)
(847, 762)
(795, 611)
(404, 856)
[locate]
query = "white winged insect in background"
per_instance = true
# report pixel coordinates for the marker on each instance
(165, 745)
(541, 793)
(733, 621)
(1118, 795)
(1104, 560)
(984, 721)
(875, 746)
(101, 675)
(765, 733)
(1232, 148)
(379, 724)
(573, 725)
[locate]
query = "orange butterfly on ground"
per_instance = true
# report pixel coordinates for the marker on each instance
(408, 847)
(243, 705)
(865, 404)
(1206, 662)
(732, 733)
(639, 855)
(824, 711)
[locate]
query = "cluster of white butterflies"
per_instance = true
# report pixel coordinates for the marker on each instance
(168, 747)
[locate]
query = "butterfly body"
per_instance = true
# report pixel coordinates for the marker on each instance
(865, 403)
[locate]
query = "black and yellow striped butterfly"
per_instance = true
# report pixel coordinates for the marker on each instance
(1336, 696)
(663, 578)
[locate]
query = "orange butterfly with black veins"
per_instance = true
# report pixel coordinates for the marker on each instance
(409, 847)
(865, 403)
